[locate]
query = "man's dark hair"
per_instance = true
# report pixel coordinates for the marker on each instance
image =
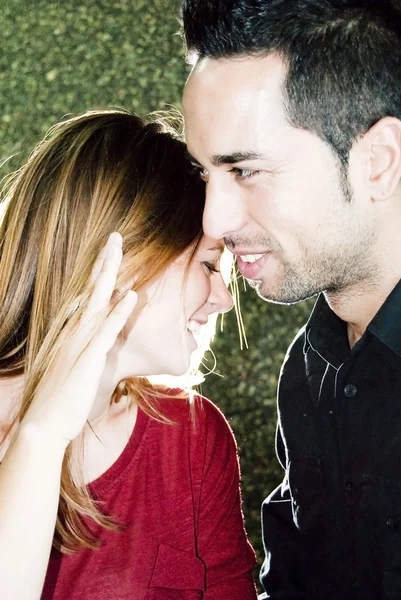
(343, 57)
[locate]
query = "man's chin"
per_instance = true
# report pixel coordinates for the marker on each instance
(263, 291)
(279, 296)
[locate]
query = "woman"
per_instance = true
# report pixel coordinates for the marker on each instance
(132, 489)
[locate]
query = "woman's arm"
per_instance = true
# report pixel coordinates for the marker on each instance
(29, 496)
(31, 469)
(222, 542)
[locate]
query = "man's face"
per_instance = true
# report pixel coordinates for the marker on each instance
(274, 192)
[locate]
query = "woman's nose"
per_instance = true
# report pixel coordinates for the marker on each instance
(220, 298)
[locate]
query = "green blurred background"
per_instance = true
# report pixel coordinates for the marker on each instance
(60, 58)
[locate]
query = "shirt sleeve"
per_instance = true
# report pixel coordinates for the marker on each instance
(282, 543)
(222, 541)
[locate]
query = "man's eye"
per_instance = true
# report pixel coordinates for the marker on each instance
(211, 268)
(244, 173)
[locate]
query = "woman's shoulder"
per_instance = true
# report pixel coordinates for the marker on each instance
(194, 410)
(199, 421)
(194, 444)
(212, 417)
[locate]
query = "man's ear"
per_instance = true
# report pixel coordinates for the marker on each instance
(384, 142)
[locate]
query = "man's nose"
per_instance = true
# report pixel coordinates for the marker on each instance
(224, 211)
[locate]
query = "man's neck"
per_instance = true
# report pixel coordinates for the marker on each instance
(357, 306)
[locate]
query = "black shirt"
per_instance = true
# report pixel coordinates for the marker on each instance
(332, 530)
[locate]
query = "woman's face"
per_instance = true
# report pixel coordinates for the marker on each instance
(172, 311)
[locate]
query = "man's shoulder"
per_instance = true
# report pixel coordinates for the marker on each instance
(292, 371)
(296, 348)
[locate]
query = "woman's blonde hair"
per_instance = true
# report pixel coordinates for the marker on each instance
(93, 174)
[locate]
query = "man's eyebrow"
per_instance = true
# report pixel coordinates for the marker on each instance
(235, 157)
(219, 160)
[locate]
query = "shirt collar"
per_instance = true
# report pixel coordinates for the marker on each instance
(326, 333)
(386, 324)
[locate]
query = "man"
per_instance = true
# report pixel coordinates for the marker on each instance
(293, 115)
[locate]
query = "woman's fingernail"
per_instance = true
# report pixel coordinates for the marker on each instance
(116, 239)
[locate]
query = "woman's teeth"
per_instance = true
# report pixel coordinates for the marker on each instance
(194, 327)
(250, 258)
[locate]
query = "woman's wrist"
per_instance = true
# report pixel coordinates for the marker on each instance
(39, 438)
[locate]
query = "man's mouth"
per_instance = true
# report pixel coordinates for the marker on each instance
(251, 265)
(250, 258)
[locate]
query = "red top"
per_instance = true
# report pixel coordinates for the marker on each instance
(176, 489)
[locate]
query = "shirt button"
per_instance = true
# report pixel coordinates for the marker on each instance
(349, 486)
(392, 523)
(350, 390)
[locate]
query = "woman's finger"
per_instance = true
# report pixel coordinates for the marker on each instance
(105, 282)
(113, 238)
(106, 336)
(106, 271)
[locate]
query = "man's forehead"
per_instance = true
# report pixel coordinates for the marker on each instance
(231, 94)
(226, 114)
(234, 73)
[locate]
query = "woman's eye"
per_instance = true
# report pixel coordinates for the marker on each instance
(244, 173)
(211, 268)
(203, 174)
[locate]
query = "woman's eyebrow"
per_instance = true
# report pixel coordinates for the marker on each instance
(192, 159)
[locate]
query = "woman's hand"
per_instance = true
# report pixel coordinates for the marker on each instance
(31, 469)
(64, 398)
